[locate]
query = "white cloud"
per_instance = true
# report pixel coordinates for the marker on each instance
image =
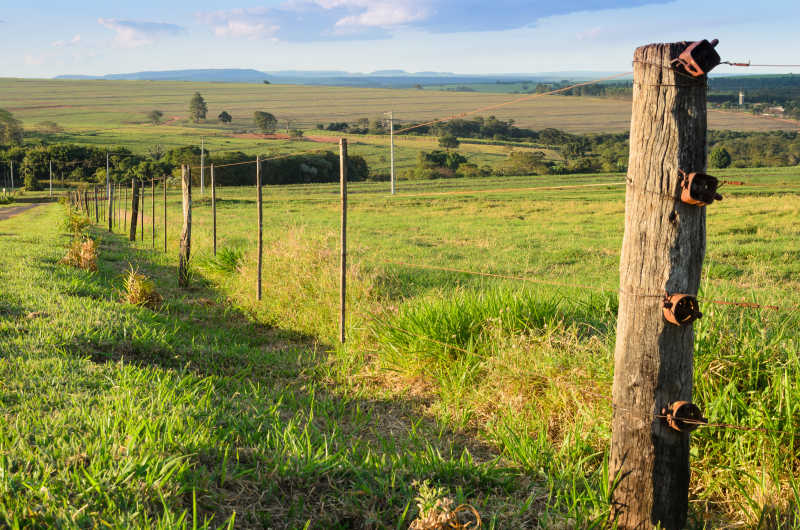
(64, 43)
(132, 34)
(247, 23)
(371, 13)
(34, 60)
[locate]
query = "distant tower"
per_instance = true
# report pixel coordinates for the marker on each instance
(741, 97)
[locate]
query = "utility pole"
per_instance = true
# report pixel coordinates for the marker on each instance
(202, 166)
(51, 179)
(662, 252)
(12, 176)
(108, 179)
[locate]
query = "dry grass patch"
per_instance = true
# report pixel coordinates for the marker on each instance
(82, 253)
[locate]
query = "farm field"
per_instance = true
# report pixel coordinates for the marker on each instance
(96, 105)
(495, 389)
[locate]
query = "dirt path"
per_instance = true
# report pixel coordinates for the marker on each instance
(7, 213)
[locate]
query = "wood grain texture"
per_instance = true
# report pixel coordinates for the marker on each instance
(186, 231)
(663, 250)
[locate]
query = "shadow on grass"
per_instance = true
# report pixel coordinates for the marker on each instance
(284, 446)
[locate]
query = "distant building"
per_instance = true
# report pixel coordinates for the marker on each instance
(741, 98)
(773, 111)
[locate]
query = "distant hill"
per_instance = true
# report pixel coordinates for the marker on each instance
(378, 79)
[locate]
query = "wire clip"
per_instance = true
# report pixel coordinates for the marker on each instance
(683, 416)
(698, 58)
(681, 309)
(698, 189)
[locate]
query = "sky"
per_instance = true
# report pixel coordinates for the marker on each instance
(52, 37)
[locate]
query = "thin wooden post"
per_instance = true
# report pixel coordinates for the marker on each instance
(110, 206)
(214, 207)
(141, 211)
(165, 214)
(662, 251)
(153, 212)
(125, 210)
(86, 202)
(186, 232)
(343, 244)
(260, 226)
(134, 208)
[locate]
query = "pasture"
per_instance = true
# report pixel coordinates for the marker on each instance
(89, 106)
(496, 390)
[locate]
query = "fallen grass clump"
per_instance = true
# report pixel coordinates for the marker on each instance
(227, 261)
(437, 511)
(82, 253)
(140, 290)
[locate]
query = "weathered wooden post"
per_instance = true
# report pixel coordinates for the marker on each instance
(186, 231)
(662, 251)
(134, 208)
(110, 207)
(165, 214)
(343, 243)
(153, 212)
(141, 210)
(96, 206)
(214, 207)
(260, 227)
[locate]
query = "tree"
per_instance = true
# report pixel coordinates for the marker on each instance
(265, 121)
(155, 116)
(35, 167)
(266, 82)
(224, 117)
(10, 128)
(448, 141)
(720, 158)
(198, 108)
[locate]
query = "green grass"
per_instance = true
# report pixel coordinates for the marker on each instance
(496, 390)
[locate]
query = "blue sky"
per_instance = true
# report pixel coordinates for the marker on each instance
(470, 36)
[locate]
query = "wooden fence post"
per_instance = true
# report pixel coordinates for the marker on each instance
(153, 212)
(134, 208)
(260, 227)
(662, 251)
(125, 210)
(186, 232)
(343, 243)
(110, 206)
(165, 214)
(141, 210)
(86, 202)
(96, 209)
(214, 207)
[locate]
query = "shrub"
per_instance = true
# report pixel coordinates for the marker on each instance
(82, 253)
(140, 290)
(76, 223)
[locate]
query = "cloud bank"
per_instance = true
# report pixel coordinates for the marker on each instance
(313, 20)
(132, 34)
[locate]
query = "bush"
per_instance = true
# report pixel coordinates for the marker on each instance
(82, 253)
(140, 290)
(720, 158)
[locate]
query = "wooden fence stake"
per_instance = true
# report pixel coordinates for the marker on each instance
(96, 209)
(153, 212)
(214, 207)
(186, 232)
(260, 226)
(86, 202)
(141, 211)
(165, 214)
(125, 210)
(110, 206)
(134, 208)
(662, 250)
(343, 243)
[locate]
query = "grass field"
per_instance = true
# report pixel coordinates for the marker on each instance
(93, 105)
(497, 391)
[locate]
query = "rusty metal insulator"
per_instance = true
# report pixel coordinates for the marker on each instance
(683, 416)
(698, 58)
(699, 189)
(681, 309)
